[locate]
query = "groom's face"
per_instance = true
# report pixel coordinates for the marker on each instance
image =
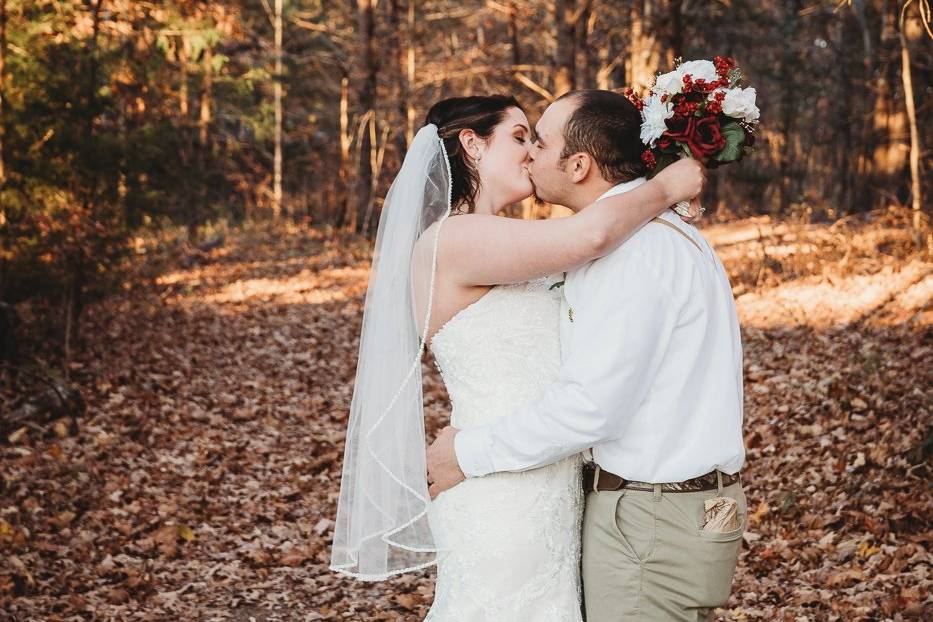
(549, 175)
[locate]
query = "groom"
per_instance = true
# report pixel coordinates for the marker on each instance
(651, 380)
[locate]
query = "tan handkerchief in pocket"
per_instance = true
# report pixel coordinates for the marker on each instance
(720, 514)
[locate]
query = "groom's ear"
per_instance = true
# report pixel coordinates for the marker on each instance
(579, 165)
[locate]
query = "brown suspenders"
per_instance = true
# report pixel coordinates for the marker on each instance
(678, 230)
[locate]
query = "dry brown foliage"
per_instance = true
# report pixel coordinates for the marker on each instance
(201, 483)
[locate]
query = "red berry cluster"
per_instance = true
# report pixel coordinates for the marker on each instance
(715, 107)
(648, 158)
(724, 64)
(684, 106)
(632, 97)
(696, 92)
(702, 86)
(688, 83)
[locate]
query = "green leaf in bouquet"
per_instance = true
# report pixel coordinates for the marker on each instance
(664, 160)
(734, 135)
(734, 76)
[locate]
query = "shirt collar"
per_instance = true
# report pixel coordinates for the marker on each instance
(623, 187)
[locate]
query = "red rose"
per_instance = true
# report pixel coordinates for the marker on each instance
(708, 138)
(702, 136)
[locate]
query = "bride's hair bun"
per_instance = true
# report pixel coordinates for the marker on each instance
(480, 113)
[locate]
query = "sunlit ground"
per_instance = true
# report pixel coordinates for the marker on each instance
(202, 483)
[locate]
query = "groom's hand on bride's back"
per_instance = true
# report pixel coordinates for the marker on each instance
(443, 469)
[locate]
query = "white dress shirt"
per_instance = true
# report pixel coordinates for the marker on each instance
(651, 374)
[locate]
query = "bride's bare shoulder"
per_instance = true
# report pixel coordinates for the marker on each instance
(461, 223)
(463, 233)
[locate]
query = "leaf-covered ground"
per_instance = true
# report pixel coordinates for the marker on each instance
(201, 483)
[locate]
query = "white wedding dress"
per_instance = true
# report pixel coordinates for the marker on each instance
(509, 542)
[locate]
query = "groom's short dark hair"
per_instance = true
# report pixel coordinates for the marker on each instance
(606, 126)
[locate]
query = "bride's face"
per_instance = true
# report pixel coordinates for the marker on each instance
(503, 168)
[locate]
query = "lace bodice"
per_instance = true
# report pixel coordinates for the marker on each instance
(509, 542)
(500, 352)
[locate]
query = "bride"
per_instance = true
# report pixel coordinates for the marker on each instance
(449, 273)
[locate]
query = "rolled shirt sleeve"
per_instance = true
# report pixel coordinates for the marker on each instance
(623, 322)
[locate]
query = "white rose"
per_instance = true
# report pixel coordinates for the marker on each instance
(699, 69)
(654, 115)
(740, 104)
(669, 83)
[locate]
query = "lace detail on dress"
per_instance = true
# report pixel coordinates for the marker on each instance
(510, 541)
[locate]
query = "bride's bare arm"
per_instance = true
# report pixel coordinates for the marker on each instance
(488, 250)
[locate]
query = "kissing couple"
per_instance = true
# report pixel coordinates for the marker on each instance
(594, 367)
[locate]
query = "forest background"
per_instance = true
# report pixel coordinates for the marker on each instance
(188, 195)
(119, 119)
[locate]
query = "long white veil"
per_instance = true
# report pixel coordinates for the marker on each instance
(382, 527)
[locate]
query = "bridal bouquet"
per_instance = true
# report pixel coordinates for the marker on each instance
(699, 110)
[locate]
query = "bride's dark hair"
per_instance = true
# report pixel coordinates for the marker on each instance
(480, 113)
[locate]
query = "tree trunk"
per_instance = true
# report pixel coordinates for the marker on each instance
(907, 78)
(366, 24)
(514, 34)
(402, 95)
(199, 206)
(611, 50)
(410, 74)
(183, 77)
(675, 32)
(73, 300)
(644, 50)
(91, 96)
(187, 154)
(3, 238)
(277, 94)
(207, 93)
(377, 153)
(2, 85)
(844, 49)
(344, 205)
(788, 101)
(564, 53)
(864, 166)
(889, 118)
(584, 51)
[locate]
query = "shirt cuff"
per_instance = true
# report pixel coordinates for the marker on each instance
(471, 449)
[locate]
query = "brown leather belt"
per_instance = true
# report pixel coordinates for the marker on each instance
(596, 479)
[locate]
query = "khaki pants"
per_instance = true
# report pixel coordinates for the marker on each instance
(645, 558)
